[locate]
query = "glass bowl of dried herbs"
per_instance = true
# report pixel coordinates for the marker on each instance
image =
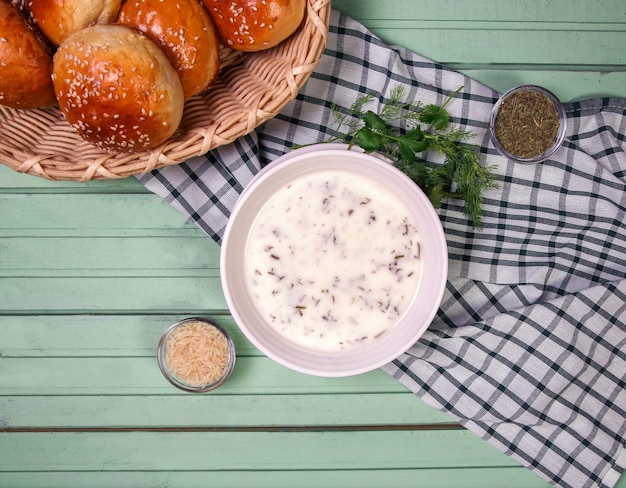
(528, 124)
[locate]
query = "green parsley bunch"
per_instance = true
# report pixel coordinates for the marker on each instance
(425, 129)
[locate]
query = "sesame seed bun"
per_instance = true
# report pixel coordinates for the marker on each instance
(25, 63)
(117, 88)
(184, 31)
(254, 25)
(58, 19)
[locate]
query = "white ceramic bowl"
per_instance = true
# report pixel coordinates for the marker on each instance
(390, 344)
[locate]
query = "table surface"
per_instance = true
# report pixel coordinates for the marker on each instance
(92, 273)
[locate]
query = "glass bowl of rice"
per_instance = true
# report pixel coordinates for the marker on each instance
(196, 355)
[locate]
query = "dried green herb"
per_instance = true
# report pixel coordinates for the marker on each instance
(424, 129)
(527, 124)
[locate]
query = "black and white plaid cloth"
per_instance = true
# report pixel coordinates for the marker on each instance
(528, 349)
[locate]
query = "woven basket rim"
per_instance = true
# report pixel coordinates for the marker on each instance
(250, 89)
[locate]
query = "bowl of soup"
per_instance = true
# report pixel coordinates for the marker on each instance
(333, 262)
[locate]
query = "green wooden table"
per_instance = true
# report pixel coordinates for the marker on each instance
(91, 274)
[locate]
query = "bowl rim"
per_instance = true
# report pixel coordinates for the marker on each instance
(230, 366)
(335, 364)
(558, 105)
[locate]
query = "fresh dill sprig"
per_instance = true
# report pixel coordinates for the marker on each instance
(424, 129)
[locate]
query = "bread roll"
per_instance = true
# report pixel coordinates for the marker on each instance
(21, 5)
(25, 63)
(254, 25)
(184, 31)
(58, 19)
(117, 88)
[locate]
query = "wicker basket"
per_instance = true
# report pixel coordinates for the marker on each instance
(251, 88)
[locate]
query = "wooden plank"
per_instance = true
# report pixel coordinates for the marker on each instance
(24, 182)
(489, 477)
(608, 11)
(221, 411)
(83, 214)
(231, 451)
(102, 256)
(78, 294)
(567, 85)
(141, 376)
(548, 44)
(97, 335)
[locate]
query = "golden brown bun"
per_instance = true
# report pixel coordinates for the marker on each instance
(254, 25)
(25, 63)
(117, 88)
(184, 31)
(21, 5)
(58, 19)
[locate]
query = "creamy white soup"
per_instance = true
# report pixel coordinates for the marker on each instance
(333, 260)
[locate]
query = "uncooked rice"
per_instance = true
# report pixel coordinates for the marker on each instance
(197, 353)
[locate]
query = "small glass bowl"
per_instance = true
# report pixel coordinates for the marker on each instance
(178, 382)
(560, 134)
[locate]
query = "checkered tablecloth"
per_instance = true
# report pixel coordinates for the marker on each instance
(528, 349)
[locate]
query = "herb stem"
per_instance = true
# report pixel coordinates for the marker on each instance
(460, 175)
